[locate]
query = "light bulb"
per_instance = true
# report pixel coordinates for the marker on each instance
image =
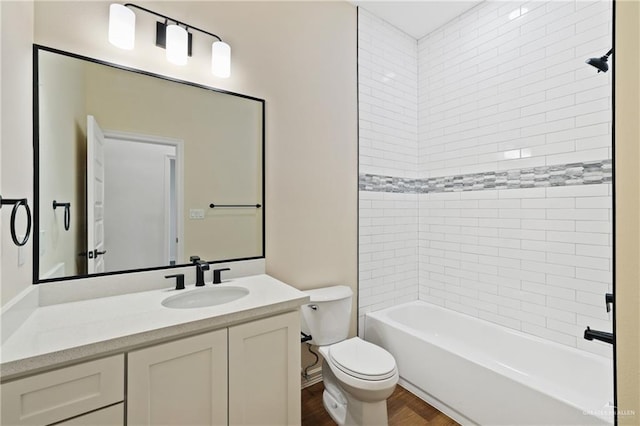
(221, 59)
(177, 44)
(122, 26)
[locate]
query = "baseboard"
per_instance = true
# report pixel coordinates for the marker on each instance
(314, 376)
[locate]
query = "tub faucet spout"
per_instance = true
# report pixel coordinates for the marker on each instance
(603, 336)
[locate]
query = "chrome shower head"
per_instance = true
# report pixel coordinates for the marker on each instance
(601, 62)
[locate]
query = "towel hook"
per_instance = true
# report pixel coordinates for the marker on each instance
(67, 213)
(17, 202)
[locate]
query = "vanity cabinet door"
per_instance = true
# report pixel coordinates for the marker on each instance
(183, 382)
(264, 364)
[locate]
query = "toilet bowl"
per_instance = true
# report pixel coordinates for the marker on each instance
(358, 376)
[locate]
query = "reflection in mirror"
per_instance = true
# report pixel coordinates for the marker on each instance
(139, 159)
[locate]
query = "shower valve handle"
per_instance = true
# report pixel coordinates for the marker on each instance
(608, 301)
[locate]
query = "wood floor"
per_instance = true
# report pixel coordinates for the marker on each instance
(403, 408)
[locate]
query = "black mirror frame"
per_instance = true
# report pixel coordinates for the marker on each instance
(36, 163)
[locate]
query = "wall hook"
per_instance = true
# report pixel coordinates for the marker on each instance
(67, 213)
(17, 202)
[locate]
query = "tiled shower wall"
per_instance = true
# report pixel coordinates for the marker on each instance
(388, 98)
(499, 94)
(388, 112)
(513, 171)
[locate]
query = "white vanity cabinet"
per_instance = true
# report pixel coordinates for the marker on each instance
(246, 374)
(66, 393)
(264, 365)
(183, 382)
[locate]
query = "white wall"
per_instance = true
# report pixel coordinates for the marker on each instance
(299, 56)
(16, 137)
(514, 148)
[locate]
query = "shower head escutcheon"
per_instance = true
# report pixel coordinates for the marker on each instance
(601, 62)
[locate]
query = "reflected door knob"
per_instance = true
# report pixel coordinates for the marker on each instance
(95, 253)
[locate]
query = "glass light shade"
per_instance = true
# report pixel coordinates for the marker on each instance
(221, 59)
(122, 26)
(177, 45)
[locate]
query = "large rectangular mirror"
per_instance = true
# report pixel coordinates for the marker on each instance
(136, 171)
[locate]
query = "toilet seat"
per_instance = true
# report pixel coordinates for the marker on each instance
(363, 360)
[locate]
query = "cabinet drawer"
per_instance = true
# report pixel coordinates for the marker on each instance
(57, 395)
(110, 416)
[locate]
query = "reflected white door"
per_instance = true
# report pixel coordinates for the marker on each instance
(95, 196)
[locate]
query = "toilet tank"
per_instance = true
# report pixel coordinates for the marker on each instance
(327, 316)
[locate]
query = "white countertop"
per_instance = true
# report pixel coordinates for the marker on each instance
(65, 333)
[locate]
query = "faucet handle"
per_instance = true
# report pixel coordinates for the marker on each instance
(216, 275)
(179, 280)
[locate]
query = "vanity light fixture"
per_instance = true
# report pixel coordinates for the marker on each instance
(172, 35)
(122, 26)
(177, 44)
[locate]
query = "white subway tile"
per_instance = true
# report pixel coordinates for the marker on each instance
(548, 312)
(523, 316)
(592, 274)
(581, 283)
(579, 308)
(549, 247)
(578, 191)
(548, 203)
(594, 226)
(549, 334)
(499, 319)
(522, 193)
(560, 292)
(549, 268)
(533, 259)
(603, 202)
(594, 251)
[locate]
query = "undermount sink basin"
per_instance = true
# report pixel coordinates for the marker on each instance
(203, 297)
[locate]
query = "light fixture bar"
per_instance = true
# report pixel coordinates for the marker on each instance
(171, 34)
(161, 37)
(184, 24)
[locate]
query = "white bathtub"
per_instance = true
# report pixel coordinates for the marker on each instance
(477, 372)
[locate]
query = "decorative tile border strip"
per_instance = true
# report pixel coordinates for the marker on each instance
(585, 173)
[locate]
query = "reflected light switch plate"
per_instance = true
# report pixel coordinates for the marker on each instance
(196, 213)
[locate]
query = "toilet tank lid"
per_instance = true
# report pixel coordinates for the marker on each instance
(327, 294)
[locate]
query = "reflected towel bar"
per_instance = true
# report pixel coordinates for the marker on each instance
(16, 205)
(257, 206)
(67, 213)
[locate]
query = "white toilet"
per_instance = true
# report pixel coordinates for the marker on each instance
(358, 376)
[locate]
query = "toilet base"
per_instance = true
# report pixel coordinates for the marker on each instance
(336, 409)
(366, 413)
(345, 409)
(355, 413)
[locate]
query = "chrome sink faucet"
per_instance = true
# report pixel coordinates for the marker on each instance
(201, 266)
